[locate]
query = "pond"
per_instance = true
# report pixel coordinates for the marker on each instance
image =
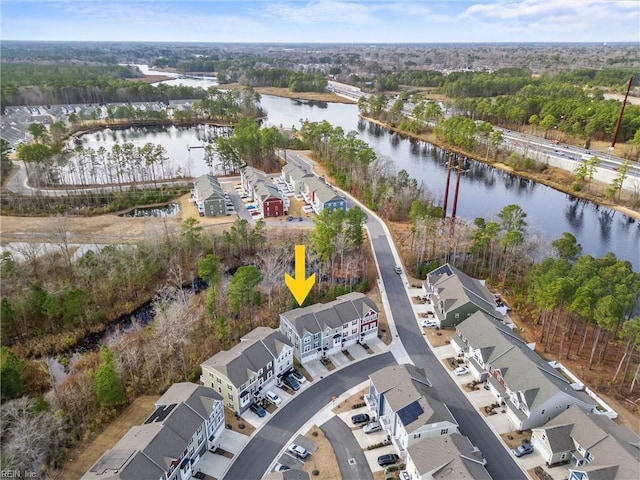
(170, 210)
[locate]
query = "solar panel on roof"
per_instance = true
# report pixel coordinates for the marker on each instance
(161, 413)
(410, 413)
(112, 460)
(443, 270)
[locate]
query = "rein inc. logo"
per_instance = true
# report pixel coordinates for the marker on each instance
(17, 474)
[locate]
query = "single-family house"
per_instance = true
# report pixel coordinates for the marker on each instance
(445, 457)
(593, 446)
(209, 196)
(187, 421)
(323, 329)
(407, 406)
(262, 190)
(243, 374)
(530, 389)
(455, 296)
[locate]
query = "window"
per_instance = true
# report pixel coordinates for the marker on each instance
(307, 339)
(219, 379)
(444, 431)
(230, 397)
(416, 435)
(306, 348)
(544, 436)
(457, 315)
(542, 412)
(260, 371)
(229, 386)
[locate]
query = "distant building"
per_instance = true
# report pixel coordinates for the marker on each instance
(187, 421)
(243, 374)
(263, 191)
(323, 329)
(209, 196)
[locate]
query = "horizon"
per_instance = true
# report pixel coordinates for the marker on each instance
(361, 22)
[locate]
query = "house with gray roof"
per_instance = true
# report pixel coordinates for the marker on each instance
(262, 190)
(295, 177)
(321, 196)
(243, 374)
(323, 329)
(208, 196)
(445, 457)
(407, 406)
(455, 296)
(531, 390)
(187, 421)
(593, 446)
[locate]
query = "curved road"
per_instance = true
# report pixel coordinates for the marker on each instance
(266, 443)
(345, 446)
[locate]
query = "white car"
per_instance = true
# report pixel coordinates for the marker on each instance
(461, 371)
(298, 450)
(273, 397)
(429, 323)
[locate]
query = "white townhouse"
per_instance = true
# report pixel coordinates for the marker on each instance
(243, 374)
(406, 405)
(531, 390)
(187, 421)
(295, 177)
(323, 329)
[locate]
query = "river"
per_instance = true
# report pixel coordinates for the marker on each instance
(484, 190)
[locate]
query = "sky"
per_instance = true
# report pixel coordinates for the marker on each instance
(322, 21)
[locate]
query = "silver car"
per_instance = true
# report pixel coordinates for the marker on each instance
(372, 427)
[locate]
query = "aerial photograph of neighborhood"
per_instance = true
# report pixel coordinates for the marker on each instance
(332, 239)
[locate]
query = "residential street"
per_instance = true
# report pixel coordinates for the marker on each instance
(346, 447)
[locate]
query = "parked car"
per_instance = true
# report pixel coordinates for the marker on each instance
(258, 410)
(281, 467)
(372, 427)
(429, 323)
(523, 449)
(359, 418)
(298, 376)
(388, 459)
(298, 450)
(461, 371)
(251, 207)
(291, 382)
(273, 397)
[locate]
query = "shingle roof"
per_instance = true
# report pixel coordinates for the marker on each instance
(255, 351)
(447, 457)
(321, 190)
(321, 316)
(208, 187)
(263, 186)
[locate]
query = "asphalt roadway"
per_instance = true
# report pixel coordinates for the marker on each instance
(265, 445)
(500, 463)
(345, 446)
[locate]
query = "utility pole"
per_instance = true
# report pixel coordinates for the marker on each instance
(446, 188)
(624, 102)
(455, 195)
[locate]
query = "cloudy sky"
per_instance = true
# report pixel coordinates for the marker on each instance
(314, 21)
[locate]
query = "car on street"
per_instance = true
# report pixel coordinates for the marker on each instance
(427, 323)
(273, 397)
(298, 376)
(291, 382)
(258, 410)
(398, 269)
(372, 427)
(298, 450)
(461, 371)
(388, 459)
(523, 449)
(359, 418)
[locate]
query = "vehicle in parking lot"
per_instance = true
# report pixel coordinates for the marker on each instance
(461, 371)
(291, 382)
(281, 467)
(523, 449)
(372, 427)
(258, 410)
(388, 459)
(298, 376)
(273, 397)
(299, 219)
(254, 213)
(251, 207)
(359, 418)
(298, 450)
(428, 323)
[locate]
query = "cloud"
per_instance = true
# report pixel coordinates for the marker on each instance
(321, 11)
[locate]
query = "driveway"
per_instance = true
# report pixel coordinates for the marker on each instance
(351, 459)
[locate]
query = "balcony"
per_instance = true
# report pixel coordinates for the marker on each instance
(372, 403)
(385, 422)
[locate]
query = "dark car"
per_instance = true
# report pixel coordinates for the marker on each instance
(360, 418)
(523, 449)
(388, 459)
(258, 410)
(292, 383)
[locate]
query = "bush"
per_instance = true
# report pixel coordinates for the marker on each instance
(315, 473)
(358, 405)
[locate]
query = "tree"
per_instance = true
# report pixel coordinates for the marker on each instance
(191, 232)
(613, 191)
(567, 247)
(39, 132)
(108, 386)
(11, 366)
(209, 269)
(242, 289)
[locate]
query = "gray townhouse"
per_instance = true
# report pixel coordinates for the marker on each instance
(243, 374)
(187, 421)
(209, 196)
(322, 196)
(592, 446)
(407, 406)
(323, 329)
(271, 203)
(447, 457)
(295, 177)
(455, 296)
(531, 390)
